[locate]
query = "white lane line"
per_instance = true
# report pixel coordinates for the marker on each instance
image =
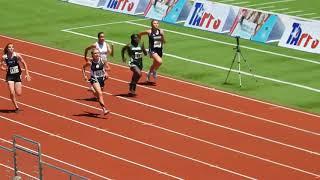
(266, 7)
(83, 145)
(225, 1)
(281, 9)
(181, 81)
(226, 43)
(240, 3)
(103, 24)
(168, 130)
(305, 14)
(293, 12)
(267, 3)
(60, 161)
(218, 67)
(19, 172)
(172, 112)
(182, 97)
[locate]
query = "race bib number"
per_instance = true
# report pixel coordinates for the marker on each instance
(157, 44)
(14, 70)
(99, 73)
(137, 55)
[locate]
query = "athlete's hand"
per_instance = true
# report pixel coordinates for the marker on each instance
(28, 77)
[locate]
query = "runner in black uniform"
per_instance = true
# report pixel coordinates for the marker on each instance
(98, 69)
(10, 62)
(135, 51)
(156, 41)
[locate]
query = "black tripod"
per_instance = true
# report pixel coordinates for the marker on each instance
(238, 56)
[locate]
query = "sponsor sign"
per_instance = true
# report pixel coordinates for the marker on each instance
(207, 16)
(302, 35)
(90, 3)
(122, 6)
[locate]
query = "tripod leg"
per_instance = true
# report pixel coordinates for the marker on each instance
(239, 68)
(250, 70)
(234, 58)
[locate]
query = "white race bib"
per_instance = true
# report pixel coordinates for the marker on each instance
(14, 70)
(157, 44)
(99, 73)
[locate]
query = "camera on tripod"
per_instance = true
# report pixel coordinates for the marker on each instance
(238, 56)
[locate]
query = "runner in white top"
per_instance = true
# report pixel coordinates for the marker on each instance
(103, 47)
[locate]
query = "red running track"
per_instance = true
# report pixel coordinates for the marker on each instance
(174, 130)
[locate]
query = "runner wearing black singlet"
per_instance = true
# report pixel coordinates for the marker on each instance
(98, 68)
(10, 62)
(135, 52)
(156, 41)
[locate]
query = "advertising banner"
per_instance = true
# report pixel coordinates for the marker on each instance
(207, 16)
(165, 10)
(254, 25)
(126, 6)
(90, 3)
(302, 35)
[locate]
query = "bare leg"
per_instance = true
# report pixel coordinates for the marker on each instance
(11, 87)
(136, 74)
(99, 95)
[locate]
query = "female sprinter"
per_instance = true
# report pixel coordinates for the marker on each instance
(156, 41)
(12, 61)
(98, 69)
(134, 50)
(102, 46)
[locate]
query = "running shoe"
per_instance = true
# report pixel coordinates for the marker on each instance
(155, 75)
(148, 76)
(105, 111)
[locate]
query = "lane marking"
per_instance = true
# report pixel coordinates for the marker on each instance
(180, 81)
(85, 146)
(178, 96)
(60, 161)
(21, 172)
(268, 3)
(150, 124)
(217, 67)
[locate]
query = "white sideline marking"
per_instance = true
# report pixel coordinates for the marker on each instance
(231, 44)
(103, 24)
(181, 81)
(63, 162)
(216, 66)
(224, 1)
(150, 124)
(83, 145)
(172, 112)
(21, 172)
(306, 14)
(293, 12)
(240, 3)
(281, 9)
(182, 97)
(266, 7)
(267, 3)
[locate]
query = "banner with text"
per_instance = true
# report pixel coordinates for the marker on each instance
(90, 3)
(208, 16)
(302, 35)
(126, 6)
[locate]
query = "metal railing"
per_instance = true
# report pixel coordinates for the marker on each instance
(16, 147)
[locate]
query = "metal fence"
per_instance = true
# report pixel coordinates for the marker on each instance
(16, 175)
